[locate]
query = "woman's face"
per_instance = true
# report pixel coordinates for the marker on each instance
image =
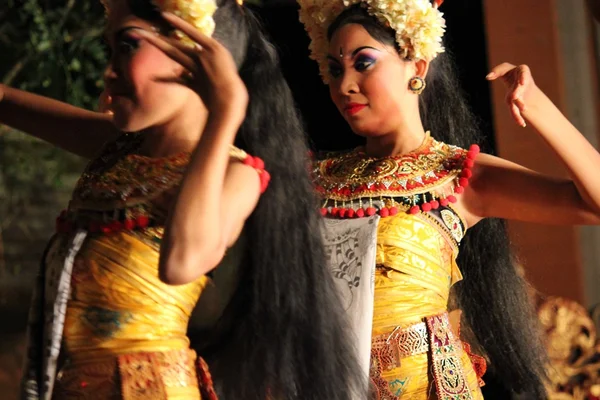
(368, 81)
(141, 80)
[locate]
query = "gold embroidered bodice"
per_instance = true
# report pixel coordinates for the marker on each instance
(417, 243)
(118, 305)
(416, 268)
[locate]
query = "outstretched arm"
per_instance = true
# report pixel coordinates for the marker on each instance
(504, 189)
(76, 130)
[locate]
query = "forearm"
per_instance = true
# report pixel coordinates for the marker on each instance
(76, 130)
(580, 158)
(195, 238)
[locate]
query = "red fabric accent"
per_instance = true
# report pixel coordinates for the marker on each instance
(115, 226)
(142, 221)
(475, 149)
(129, 224)
(259, 163)
(265, 178)
(205, 382)
(479, 363)
(249, 160)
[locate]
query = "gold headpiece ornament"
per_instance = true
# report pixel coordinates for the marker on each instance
(418, 24)
(197, 12)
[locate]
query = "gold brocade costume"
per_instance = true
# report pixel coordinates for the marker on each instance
(415, 353)
(124, 334)
(416, 269)
(125, 330)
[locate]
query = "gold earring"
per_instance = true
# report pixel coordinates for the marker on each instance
(417, 85)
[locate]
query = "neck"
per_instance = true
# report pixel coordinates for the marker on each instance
(406, 138)
(179, 134)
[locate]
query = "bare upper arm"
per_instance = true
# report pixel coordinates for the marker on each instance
(503, 189)
(241, 192)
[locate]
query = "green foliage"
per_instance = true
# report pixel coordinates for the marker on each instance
(53, 48)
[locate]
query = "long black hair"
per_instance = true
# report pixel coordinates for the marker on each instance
(493, 296)
(286, 336)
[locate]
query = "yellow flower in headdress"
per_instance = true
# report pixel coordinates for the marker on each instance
(199, 13)
(418, 24)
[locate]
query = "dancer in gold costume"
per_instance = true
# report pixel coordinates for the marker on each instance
(398, 209)
(165, 197)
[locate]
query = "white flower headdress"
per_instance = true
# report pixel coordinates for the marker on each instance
(197, 12)
(418, 24)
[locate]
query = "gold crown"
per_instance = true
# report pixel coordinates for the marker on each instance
(418, 24)
(199, 13)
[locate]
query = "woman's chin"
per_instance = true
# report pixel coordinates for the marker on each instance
(365, 131)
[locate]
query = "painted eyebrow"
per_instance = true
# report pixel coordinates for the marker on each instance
(354, 53)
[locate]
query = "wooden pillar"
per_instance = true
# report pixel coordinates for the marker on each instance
(526, 32)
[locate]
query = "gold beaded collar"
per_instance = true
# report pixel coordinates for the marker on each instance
(421, 180)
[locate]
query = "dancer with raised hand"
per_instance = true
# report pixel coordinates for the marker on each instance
(415, 206)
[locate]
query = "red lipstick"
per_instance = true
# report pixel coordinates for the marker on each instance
(354, 108)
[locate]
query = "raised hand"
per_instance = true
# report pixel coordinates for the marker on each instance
(520, 84)
(210, 68)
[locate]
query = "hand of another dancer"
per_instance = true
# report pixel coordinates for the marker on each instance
(210, 69)
(520, 85)
(104, 103)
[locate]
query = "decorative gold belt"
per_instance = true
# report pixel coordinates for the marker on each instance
(401, 343)
(433, 335)
(149, 375)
